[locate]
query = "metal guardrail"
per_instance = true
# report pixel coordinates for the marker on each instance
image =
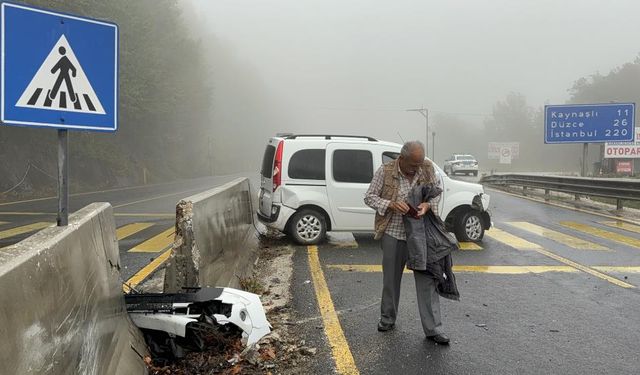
(618, 189)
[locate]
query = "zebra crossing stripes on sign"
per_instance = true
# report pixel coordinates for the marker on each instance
(57, 70)
(61, 83)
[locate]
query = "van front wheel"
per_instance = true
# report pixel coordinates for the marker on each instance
(308, 227)
(468, 227)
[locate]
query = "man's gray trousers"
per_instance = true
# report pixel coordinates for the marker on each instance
(394, 259)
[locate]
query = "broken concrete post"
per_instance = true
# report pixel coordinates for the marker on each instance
(214, 232)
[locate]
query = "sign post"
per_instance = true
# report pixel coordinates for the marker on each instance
(58, 71)
(589, 123)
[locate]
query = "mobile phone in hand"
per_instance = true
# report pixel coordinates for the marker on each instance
(413, 212)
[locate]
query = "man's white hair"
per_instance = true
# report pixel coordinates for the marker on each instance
(409, 146)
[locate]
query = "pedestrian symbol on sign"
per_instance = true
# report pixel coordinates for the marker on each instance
(46, 89)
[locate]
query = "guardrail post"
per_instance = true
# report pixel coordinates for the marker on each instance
(524, 191)
(618, 204)
(547, 197)
(577, 197)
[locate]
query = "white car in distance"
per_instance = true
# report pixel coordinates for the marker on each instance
(461, 163)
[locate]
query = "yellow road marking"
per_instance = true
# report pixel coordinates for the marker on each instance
(155, 244)
(511, 240)
(145, 271)
(622, 225)
(562, 238)
(630, 241)
(3, 222)
(469, 246)
(586, 269)
(498, 270)
(23, 229)
(629, 269)
(332, 329)
(522, 244)
(130, 229)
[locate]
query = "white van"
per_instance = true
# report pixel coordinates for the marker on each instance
(311, 184)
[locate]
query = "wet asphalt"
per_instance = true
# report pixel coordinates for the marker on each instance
(532, 323)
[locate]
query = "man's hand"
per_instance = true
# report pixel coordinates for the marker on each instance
(399, 207)
(423, 208)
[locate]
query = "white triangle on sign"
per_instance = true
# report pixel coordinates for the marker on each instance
(55, 82)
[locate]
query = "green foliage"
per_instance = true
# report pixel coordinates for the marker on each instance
(620, 85)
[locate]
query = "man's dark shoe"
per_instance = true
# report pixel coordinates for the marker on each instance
(439, 339)
(384, 327)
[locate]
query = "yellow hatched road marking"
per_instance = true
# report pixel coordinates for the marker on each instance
(511, 240)
(155, 244)
(522, 244)
(23, 229)
(616, 237)
(469, 246)
(332, 329)
(622, 225)
(562, 238)
(3, 222)
(145, 271)
(130, 229)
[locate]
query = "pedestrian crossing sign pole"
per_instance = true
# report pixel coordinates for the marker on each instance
(58, 71)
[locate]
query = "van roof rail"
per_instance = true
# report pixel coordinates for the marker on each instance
(331, 136)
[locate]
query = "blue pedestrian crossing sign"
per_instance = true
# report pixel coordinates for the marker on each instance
(58, 70)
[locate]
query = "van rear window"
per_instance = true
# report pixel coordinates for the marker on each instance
(267, 161)
(307, 165)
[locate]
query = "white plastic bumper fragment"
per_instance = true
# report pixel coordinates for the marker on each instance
(246, 313)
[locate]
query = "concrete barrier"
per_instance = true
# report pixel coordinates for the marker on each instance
(213, 245)
(61, 305)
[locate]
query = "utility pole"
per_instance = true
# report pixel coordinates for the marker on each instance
(424, 112)
(433, 147)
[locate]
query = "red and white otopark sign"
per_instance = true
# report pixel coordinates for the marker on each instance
(623, 150)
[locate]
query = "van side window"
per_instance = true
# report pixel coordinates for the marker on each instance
(307, 165)
(388, 156)
(354, 166)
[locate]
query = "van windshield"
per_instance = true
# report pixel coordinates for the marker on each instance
(267, 161)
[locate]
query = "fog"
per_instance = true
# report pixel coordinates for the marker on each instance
(204, 84)
(355, 67)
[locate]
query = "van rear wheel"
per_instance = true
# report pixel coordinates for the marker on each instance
(308, 227)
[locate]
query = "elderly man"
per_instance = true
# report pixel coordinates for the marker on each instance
(387, 195)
